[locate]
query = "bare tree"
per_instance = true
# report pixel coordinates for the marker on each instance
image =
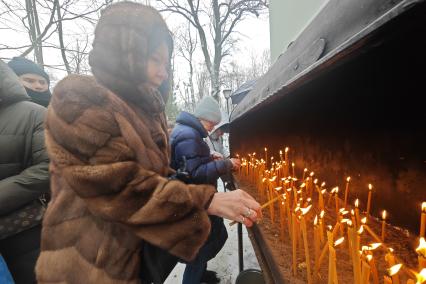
(186, 42)
(43, 21)
(223, 18)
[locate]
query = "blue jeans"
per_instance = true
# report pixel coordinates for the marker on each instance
(5, 276)
(218, 235)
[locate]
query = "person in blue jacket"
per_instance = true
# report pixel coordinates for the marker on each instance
(191, 153)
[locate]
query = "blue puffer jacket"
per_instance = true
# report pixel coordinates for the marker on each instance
(187, 141)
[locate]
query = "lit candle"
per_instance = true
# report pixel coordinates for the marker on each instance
(383, 225)
(282, 215)
(357, 218)
(348, 179)
(305, 242)
(304, 172)
(292, 168)
(336, 199)
(423, 221)
(321, 199)
(266, 157)
(281, 156)
(393, 271)
(421, 251)
(370, 189)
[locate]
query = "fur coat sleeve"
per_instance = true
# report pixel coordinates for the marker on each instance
(111, 157)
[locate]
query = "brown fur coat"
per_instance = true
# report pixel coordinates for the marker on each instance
(108, 163)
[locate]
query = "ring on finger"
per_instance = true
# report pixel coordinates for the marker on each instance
(248, 212)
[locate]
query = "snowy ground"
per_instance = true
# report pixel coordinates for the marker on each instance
(226, 262)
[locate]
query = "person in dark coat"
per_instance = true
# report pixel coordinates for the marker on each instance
(33, 78)
(191, 153)
(24, 176)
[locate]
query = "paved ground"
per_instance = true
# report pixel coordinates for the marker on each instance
(226, 262)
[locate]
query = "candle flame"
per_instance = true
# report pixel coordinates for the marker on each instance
(281, 152)
(329, 227)
(266, 149)
(421, 249)
(289, 189)
(394, 269)
(316, 220)
(421, 277)
(286, 149)
(302, 185)
(339, 241)
(346, 221)
(305, 169)
(278, 188)
(348, 179)
(369, 257)
(263, 180)
(424, 207)
(349, 223)
(323, 184)
(364, 220)
(315, 181)
(293, 164)
(384, 215)
(370, 186)
(323, 191)
(356, 203)
(312, 174)
(335, 190)
(322, 213)
(361, 230)
(352, 212)
(307, 179)
(374, 246)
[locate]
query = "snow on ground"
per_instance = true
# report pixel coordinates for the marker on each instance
(226, 261)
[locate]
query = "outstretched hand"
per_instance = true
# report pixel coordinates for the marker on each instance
(235, 205)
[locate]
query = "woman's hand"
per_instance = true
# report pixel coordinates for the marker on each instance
(235, 205)
(236, 164)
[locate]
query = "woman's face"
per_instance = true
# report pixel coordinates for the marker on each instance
(158, 66)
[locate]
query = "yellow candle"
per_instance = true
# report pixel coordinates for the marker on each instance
(336, 201)
(292, 167)
(322, 231)
(321, 199)
(331, 258)
(383, 225)
(374, 271)
(365, 275)
(316, 247)
(421, 251)
(294, 242)
(423, 221)
(370, 189)
(305, 242)
(393, 271)
(348, 179)
(282, 217)
(357, 218)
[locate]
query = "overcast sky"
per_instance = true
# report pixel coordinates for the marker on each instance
(253, 38)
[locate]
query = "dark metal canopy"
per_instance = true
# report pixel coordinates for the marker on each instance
(341, 28)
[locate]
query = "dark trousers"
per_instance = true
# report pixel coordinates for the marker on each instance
(20, 253)
(217, 238)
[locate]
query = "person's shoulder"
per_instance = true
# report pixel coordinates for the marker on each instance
(76, 93)
(184, 132)
(25, 109)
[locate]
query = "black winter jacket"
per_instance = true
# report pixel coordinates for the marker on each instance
(24, 162)
(187, 141)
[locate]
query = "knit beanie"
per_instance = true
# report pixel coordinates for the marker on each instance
(21, 65)
(208, 109)
(126, 34)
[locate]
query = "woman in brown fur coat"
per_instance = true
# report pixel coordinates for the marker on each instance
(107, 139)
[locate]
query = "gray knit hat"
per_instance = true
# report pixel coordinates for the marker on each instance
(208, 109)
